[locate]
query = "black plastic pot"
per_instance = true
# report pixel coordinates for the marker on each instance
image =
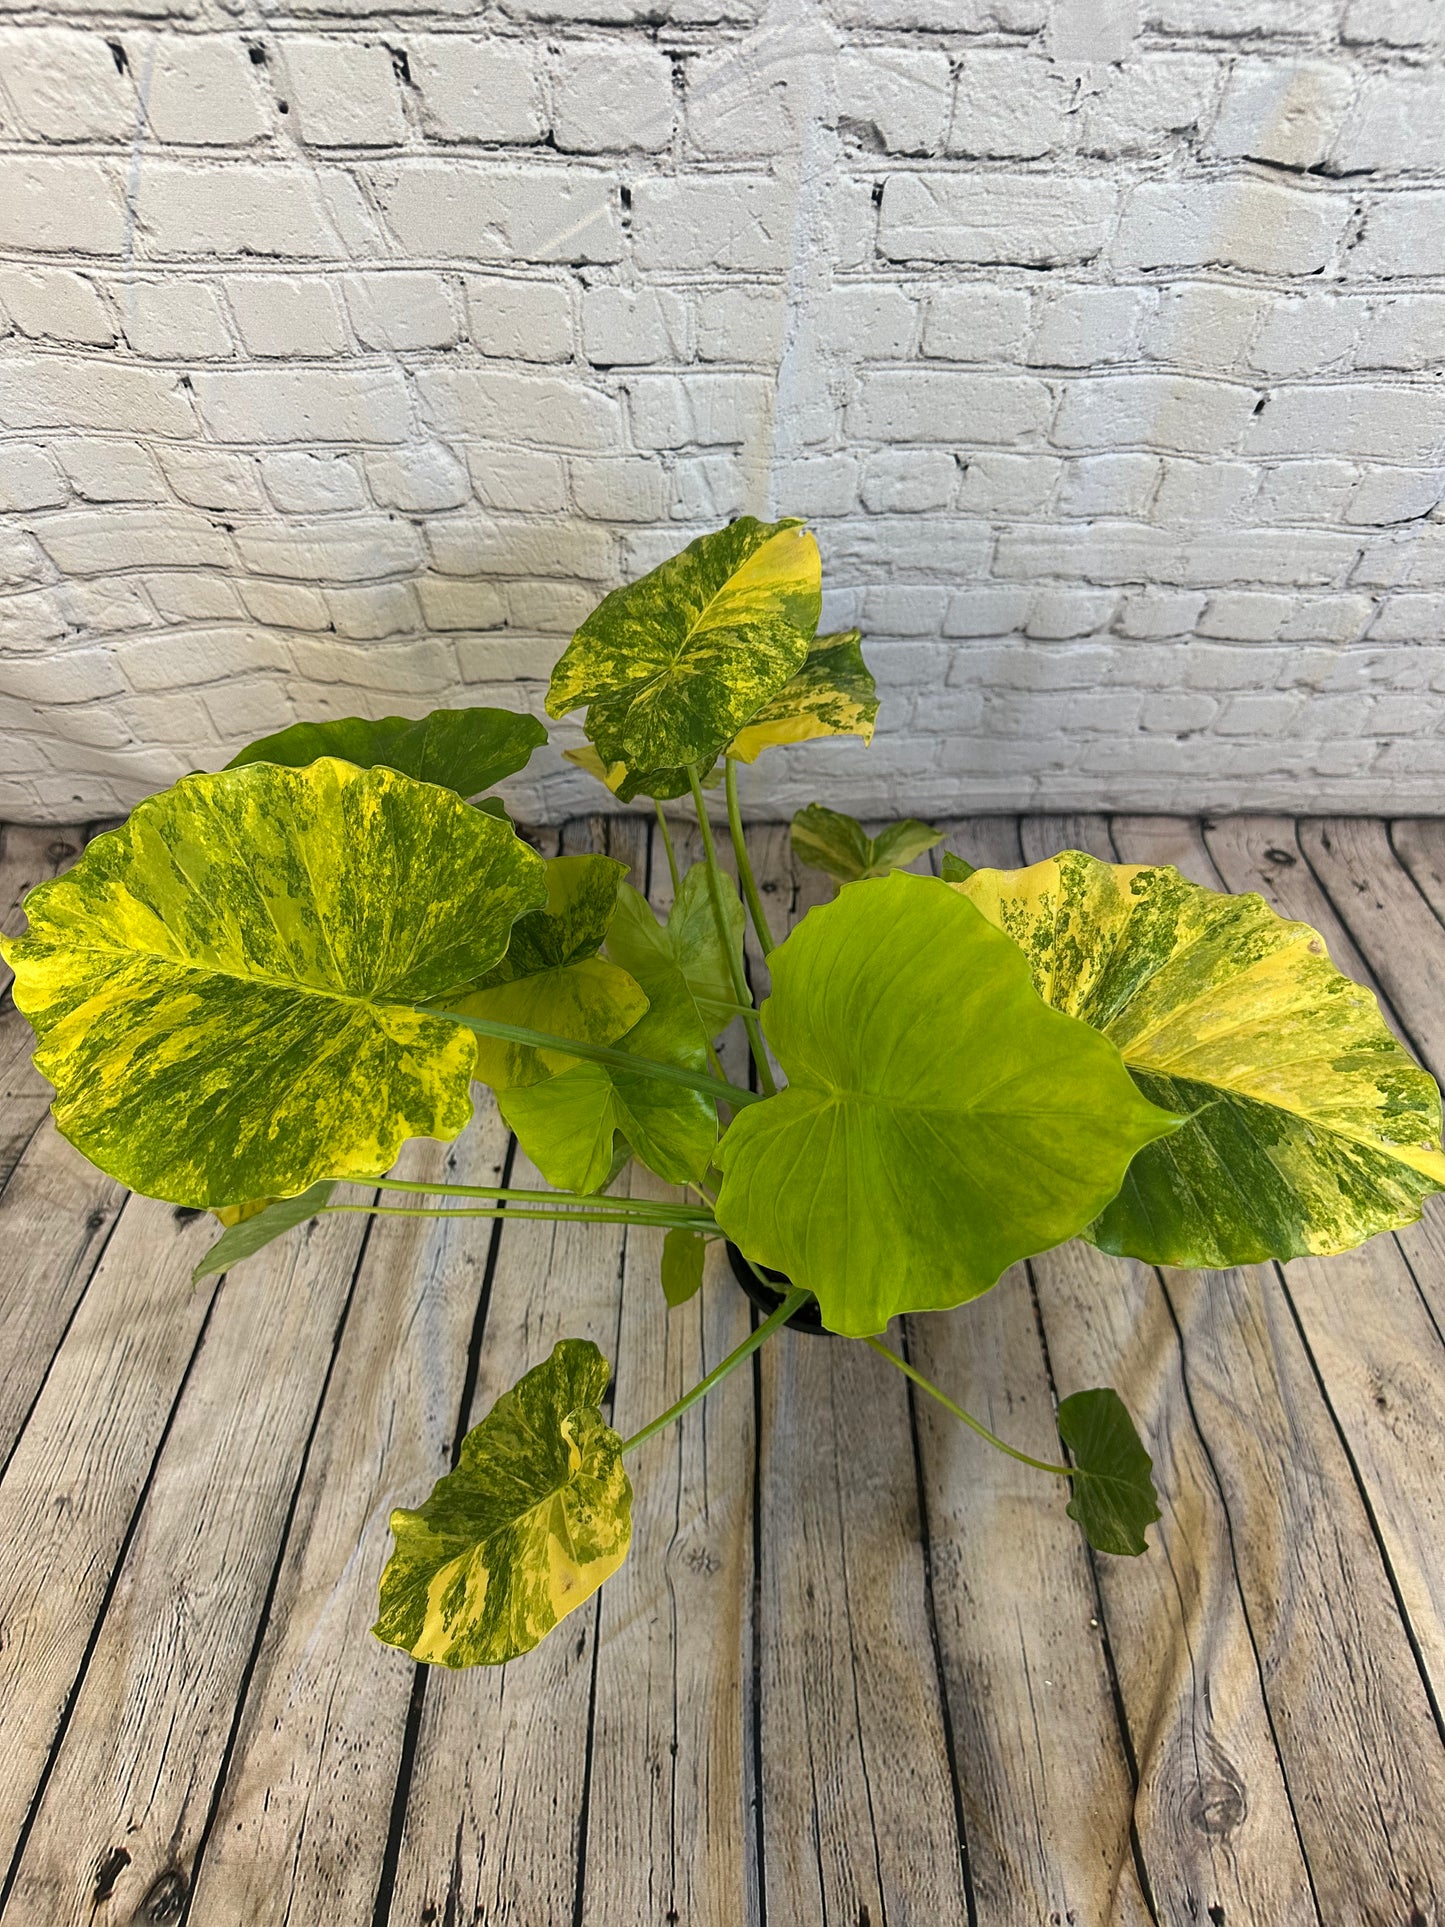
(808, 1319)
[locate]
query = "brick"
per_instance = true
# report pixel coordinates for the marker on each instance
(736, 222)
(908, 481)
(401, 310)
(611, 96)
(449, 604)
(892, 97)
(356, 550)
(1150, 613)
(1387, 495)
(1407, 332)
(1240, 224)
(520, 320)
(519, 479)
(922, 406)
(20, 560)
(1205, 327)
(1304, 335)
(191, 597)
(74, 676)
(420, 480)
(618, 489)
(65, 85)
(1024, 218)
(56, 304)
(1084, 327)
(1086, 32)
(29, 479)
(284, 605)
(1011, 106)
(57, 392)
(753, 98)
(201, 91)
(212, 478)
(868, 322)
(1109, 485)
(241, 711)
(1335, 619)
(1244, 617)
(1221, 17)
(301, 483)
(95, 541)
(1398, 126)
(474, 403)
(817, 485)
(301, 404)
(178, 320)
(1009, 484)
(555, 608)
(477, 90)
(904, 611)
(702, 411)
(198, 656)
(60, 206)
(374, 610)
(1397, 23)
(111, 471)
(1159, 411)
(986, 611)
(1409, 618)
(1057, 615)
(171, 718)
(476, 211)
(243, 208)
(738, 324)
(343, 93)
(706, 490)
(1152, 100)
(1404, 424)
(1306, 492)
(1288, 111)
(283, 315)
(482, 545)
(106, 607)
(628, 327)
(1404, 234)
(409, 669)
(1203, 494)
(975, 323)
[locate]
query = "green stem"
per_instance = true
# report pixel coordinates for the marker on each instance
(666, 843)
(973, 1424)
(744, 861)
(513, 1214)
(532, 1197)
(733, 955)
(599, 1054)
(794, 1300)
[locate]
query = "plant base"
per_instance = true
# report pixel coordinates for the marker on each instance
(809, 1319)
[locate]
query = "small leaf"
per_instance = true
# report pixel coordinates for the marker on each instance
(833, 694)
(552, 978)
(673, 665)
(225, 988)
(1114, 1497)
(466, 750)
(683, 959)
(954, 869)
(626, 784)
(536, 1516)
(682, 1255)
(939, 1120)
(272, 1219)
(828, 840)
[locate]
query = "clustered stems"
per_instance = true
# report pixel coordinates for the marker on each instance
(524, 1213)
(667, 845)
(734, 958)
(745, 862)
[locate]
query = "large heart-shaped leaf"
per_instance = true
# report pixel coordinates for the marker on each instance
(536, 1516)
(552, 978)
(1114, 1498)
(672, 666)
(833, 694)
(571, 1125)
(682, 961)
(839, 845)
(466, 750)
(940, 1121)
(1309, 1130)
(224, 987)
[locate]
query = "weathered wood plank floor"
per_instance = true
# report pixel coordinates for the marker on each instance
(858, 1672)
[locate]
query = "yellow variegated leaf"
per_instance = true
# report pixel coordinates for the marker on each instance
(224, 988)
(625, 783)
(1310, 1127)
(673, 665)
(832, 695)
(535, 1517)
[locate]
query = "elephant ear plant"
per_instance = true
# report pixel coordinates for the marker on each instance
(252, 993)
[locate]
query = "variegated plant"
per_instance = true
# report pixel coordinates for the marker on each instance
(257, 988)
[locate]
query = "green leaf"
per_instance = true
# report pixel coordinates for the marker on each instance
(682, 1255)
(954, 869)
(552, 978)
(260, 1226)
(1310, 1129)
(466, 750)
(224, 987)
(626, 784)
(833, 694)
(536, 1516)
(939, 1122)
(569, 1126)
(839, 845)
(672, 666)
(682, 961)
(1114, 1498)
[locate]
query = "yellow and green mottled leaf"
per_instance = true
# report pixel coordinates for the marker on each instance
(1310, 1128)
(682, 961)
(939, 1121)
(672, 666)
(625, 784)
(536, 1516)
(838, 845)
(552, 978)
(223, 988)
(833, 694)
(466, 750)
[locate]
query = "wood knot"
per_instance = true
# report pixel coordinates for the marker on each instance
(1217, 1806)
(165, 1902)
(109, 1869)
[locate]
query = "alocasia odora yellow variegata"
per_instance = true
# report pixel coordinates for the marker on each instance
(258, 987)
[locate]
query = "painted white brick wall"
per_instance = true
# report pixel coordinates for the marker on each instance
(345, 362)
